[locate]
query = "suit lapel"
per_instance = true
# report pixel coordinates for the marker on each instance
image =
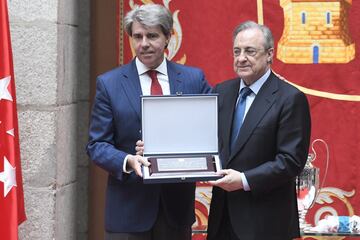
(131, 83)
(262, 103)
(175, 80)
(231, 94)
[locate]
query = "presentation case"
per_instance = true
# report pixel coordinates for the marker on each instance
(180, 138)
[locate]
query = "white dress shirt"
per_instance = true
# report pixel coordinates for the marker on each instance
(145, 80)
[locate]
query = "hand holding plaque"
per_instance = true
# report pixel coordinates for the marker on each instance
(180, 138)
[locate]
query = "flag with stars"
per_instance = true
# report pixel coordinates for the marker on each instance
(12, 211)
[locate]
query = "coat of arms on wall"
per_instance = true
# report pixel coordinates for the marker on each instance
(316, 32)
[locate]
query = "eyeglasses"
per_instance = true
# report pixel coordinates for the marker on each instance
(249, 51)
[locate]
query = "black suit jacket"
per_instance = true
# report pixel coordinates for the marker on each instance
(271, 151)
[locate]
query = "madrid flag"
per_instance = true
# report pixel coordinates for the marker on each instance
(12, 211)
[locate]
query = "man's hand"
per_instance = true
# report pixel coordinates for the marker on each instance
(139, 148)
(230, 182)
(135, 161)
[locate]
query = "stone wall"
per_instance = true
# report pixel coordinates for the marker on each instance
(50, 41)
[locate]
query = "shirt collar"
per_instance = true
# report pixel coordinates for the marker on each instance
(162, 68)
(255, 87)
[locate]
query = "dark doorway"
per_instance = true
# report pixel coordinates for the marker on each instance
(105, 55)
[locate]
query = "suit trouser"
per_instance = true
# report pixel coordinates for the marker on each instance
(226, 231)
(160, 231)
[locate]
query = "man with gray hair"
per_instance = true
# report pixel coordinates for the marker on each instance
(137, 211)
(264, 135)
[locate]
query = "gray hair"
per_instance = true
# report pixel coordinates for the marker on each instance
(150, 15)
(269, 40)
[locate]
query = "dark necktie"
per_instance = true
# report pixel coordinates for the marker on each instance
(155, 85)
(239, 115)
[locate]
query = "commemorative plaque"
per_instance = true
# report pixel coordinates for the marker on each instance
(180, 138)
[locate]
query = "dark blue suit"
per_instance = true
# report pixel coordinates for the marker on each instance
(132, 206)
(271, 150)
